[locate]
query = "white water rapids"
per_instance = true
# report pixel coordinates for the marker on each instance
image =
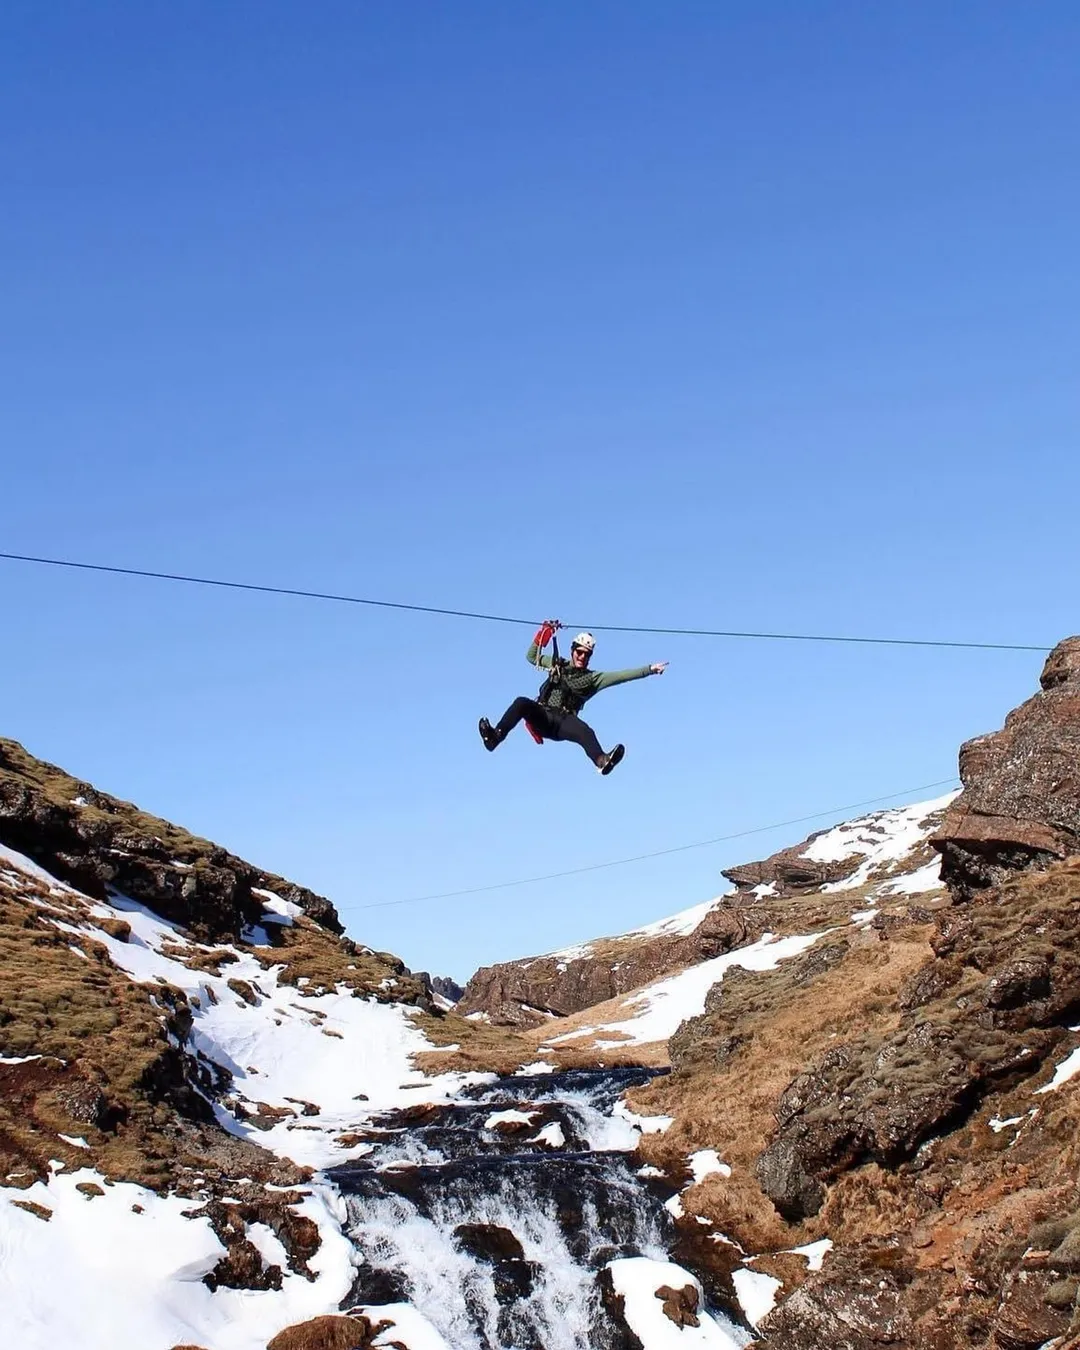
(501, 1237)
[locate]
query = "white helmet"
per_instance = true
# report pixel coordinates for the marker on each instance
(585, 641)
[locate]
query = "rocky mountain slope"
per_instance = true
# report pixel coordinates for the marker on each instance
(897, 1103)
(185, 1043)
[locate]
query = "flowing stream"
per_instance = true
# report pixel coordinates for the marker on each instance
(497, 1215)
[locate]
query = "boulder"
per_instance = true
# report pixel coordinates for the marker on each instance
(790, 873)
(857, 1304)
(327, 1333)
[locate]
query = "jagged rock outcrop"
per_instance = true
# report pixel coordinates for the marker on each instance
(442, 985)
(96, 843)
(447, 988)
(1020, 806)
(790, 872)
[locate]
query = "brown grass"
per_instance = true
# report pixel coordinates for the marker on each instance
(38, 1211)
(310, 953)
(484, 1048)
(813, 913)
(106, 1070)
(784, 1026)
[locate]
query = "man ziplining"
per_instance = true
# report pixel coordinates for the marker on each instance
(570, 684)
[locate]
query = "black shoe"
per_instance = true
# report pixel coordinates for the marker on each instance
(607, 762)
(491, 736)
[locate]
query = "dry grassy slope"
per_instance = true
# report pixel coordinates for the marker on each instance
(817, 912)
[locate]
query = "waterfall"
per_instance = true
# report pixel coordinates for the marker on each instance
(497, 1215)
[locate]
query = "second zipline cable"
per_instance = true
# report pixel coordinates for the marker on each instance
(657, 853)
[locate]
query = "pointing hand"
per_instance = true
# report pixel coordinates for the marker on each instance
(658, 667)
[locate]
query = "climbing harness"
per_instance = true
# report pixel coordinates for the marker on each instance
(548, 633)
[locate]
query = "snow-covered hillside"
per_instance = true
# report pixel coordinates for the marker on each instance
(305, 1069)
(223, 1258)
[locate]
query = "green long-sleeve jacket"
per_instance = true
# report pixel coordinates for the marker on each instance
(574, 687)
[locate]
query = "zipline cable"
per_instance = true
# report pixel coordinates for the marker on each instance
(659, 853)
(504, 618)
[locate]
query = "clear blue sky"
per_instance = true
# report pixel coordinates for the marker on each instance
(747, 315)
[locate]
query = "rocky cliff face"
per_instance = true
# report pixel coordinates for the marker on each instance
(880, 854)
(896, 1108)
(96, 843)
(1020, 807)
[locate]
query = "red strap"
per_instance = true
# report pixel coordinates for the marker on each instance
(544, 634)
(534, 734)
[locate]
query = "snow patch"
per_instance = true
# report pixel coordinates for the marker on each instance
(681, 924)
(815, 1252)
(510, 1117)
(552, 1135)
(756, 1293)
(637, 1279)
(665, 1005)
(705, 1163)
(1068, 1068)
(884, 838)
(926, 878)
(646, 1124)
(286, 910)
(154, 1296)
(410, 1327)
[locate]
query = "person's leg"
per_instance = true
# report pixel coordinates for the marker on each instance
(572, 728)
(534, 713)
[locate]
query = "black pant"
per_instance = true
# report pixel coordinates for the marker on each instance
(551, 724)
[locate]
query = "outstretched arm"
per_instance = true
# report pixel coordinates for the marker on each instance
(606, 678)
